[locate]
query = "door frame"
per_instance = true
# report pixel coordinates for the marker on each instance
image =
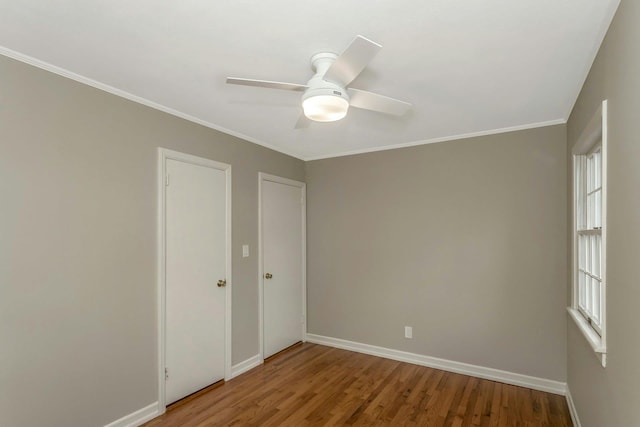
(262, 177)
(164, 155)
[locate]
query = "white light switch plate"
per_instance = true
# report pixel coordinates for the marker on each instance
(408, 332)
(245, 251)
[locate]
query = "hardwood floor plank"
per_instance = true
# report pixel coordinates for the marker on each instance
(313, 385)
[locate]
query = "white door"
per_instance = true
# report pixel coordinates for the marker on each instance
(195, 220)
(282, 214)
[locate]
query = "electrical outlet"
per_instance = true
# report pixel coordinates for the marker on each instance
(408, 332)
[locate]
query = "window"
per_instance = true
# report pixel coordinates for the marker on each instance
(589, 234)
(588, 307)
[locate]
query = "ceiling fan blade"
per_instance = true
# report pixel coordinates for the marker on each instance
(266, 83)
(375, 102)
(352, 61)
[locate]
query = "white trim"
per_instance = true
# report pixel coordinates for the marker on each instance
(140, 100)
(304, 263)
(280, 180)
(589, 333)
(161, 306)
(163, 155)
(512, 378)
(138, 417)
(596, 130)
(229, 270)
(260, 273)
(592, 337)
(554, 122)
(135, 98)
(572, 409)
(247, 365)
(273, 178)
(605, 191)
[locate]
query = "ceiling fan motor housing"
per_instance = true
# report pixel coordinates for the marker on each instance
(320, 63)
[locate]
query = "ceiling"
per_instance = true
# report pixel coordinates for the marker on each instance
(469, 67)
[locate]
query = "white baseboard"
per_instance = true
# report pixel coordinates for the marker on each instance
(246, 365)
(512, 378)
(572, 409)
(138, 417)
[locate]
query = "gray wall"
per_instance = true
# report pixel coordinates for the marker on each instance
(78, 246)
(610, 396)
(465, 241)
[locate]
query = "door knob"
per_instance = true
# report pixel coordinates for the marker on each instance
(268, 276)
(222, 282)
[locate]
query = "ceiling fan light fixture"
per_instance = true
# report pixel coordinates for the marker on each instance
(325, 108)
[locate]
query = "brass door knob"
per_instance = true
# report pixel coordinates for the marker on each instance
(222, 283)
(268, 276)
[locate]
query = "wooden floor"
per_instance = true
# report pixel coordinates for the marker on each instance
(313, 385)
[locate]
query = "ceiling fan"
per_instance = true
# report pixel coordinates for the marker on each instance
(326, 97)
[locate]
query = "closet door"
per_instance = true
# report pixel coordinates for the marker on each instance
(282, 213)
(195, 221)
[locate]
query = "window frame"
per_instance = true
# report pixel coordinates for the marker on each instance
(593, 138)
(589, 226)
